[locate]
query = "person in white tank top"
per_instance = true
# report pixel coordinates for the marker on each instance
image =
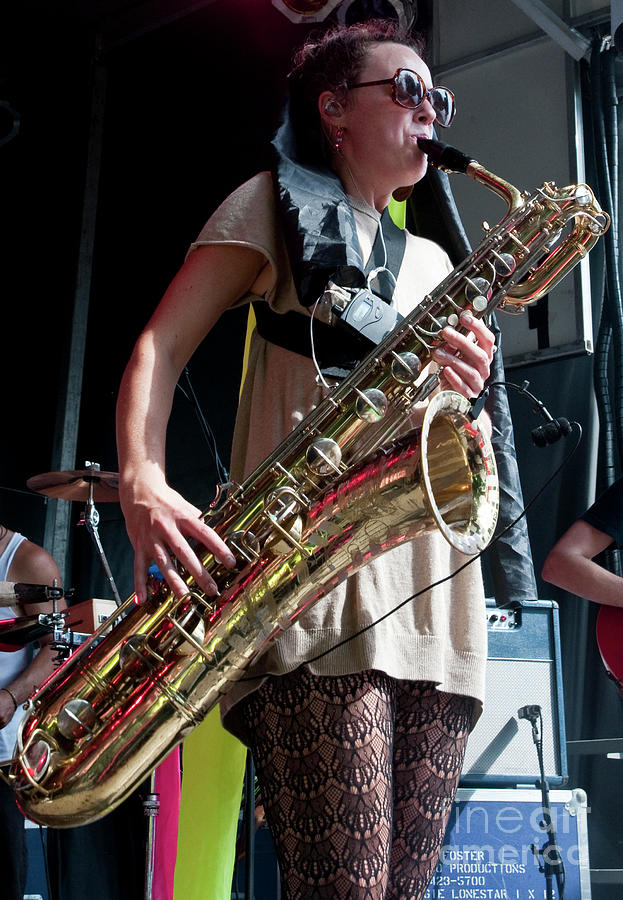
(21, 671)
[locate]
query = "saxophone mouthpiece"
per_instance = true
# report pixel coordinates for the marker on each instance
(445, 157)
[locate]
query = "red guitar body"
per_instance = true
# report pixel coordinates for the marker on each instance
(609, 632)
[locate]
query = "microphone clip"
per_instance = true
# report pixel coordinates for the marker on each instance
(531, 712)
(551, 432)
(478, 404)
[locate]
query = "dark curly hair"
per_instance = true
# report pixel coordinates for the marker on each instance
(330, 61)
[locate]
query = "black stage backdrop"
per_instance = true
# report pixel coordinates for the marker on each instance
(190, 103)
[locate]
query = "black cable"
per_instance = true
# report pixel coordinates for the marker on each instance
(609, 345)
(546, 434)
(222, 473)
(606, 472)
(614, 299)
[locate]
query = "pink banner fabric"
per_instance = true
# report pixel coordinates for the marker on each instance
(167, 784)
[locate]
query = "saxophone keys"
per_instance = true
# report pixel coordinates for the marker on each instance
(285, 500)
(224, 493)
(419, 333)
(35, 760)
(478, 292)
(506, 262)
(598, 224)
(137, 648)
(452, 302)
(324, 456)
(192, 634)
(75, 719)
(244, 544)
(288, 535)
(405, 367)
(282, 508)
(477, 287)
(371, 404)
(518, 243)
(186, 617)
(439, 323)
(583, 195)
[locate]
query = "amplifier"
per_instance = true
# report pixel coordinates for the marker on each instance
(523, 669)
(86, 617)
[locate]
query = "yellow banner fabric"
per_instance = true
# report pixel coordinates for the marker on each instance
(213, 763)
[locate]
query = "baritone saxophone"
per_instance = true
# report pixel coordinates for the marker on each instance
(341, 490)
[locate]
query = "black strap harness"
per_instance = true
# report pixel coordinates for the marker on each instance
(336, 348)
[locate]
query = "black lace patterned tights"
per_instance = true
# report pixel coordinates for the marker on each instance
(357, 774)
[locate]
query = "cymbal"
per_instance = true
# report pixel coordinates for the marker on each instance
(76, 485)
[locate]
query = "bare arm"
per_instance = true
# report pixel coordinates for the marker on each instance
(31, 565)
(158, 519)
(569, 565)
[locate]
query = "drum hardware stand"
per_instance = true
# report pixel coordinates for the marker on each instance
(90, 518)
(549, 857)
(151, 803)
(56, 620)
(22, 630)
(151, 807)
(72, 485)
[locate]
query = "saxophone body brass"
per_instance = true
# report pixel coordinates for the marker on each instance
(345, 487)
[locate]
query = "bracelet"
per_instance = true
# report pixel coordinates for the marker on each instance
(11, 695)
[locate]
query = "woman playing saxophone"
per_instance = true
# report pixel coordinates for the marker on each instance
(358, 752)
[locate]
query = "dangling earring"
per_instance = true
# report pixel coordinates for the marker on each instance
(337, 141)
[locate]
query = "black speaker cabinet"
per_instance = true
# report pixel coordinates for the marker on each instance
(523, 669)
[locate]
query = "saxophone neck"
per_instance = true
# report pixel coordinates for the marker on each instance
(448, 159)
(511, 195)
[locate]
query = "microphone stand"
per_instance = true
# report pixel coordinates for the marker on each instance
(550, 859)
(90, 518)
(151, 807)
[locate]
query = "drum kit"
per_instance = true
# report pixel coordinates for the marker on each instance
(88, 486)
(84, 485)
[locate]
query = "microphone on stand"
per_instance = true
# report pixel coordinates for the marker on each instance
(529, 712)
(549, 855)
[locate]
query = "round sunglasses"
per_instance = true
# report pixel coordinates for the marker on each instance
(410, 91)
